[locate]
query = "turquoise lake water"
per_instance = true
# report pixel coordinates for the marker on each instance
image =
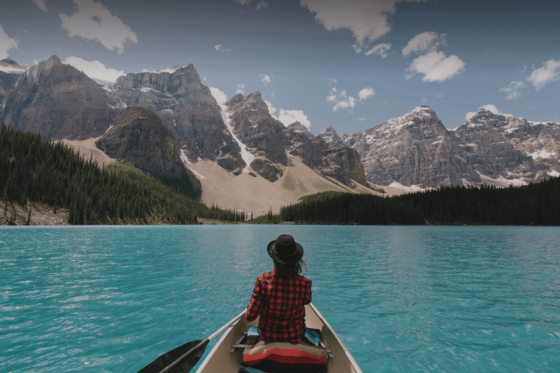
(403, 299)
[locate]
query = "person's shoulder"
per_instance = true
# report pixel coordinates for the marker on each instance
(265, 276)
(303, 279)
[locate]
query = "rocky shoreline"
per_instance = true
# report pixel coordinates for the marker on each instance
(33, 214)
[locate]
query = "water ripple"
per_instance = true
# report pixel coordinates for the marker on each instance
(403, 299)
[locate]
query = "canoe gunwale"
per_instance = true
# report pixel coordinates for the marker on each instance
(339, 341)
(216, 360)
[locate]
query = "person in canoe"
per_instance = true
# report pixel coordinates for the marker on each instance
(280, 296)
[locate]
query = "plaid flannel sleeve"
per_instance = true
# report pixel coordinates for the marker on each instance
(308, 299)
(256, 303)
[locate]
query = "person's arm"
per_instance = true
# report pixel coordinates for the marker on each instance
(308, 300)
(256, 302)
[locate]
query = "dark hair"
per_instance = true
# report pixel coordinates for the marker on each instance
(291, 269)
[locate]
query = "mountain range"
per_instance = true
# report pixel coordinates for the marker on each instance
(171, 126)
(417, 151)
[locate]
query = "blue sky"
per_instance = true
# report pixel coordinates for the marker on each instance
(350, 64)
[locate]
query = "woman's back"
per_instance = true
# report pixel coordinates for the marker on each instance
(280, 296)
(280, 300)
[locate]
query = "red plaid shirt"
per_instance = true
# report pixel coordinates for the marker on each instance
(280, 300)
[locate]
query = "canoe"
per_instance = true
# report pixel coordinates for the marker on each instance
(221, 360)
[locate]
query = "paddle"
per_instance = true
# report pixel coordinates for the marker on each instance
(183, 358)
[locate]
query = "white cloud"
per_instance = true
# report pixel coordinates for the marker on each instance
(219, 48)
(367, 19)
(488, 107)
(333, 80)
(94, 69)
(343, 101)
(426, 41)
(362, 119)
(366, 93)
(41, 5)
(242, 2)
(6, 43)
(436, 67)
(546, 74)
(240, 89)
(92, 21)
(379, 49)
(332, 96)
(261, 5)
(271, 109)
(219, 95)
(357, 48)
(288, 117)
(513, 90)
(265, 79)
(438, 95)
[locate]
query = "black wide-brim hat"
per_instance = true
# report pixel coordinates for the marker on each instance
(286, 250)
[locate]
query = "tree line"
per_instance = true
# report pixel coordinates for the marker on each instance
(43, 170)
(533, 204)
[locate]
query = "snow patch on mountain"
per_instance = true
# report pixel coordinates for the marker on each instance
(169, 70)
(248, 158)
(501, 181)
(541, 154)
(412, 188)
(11, 70)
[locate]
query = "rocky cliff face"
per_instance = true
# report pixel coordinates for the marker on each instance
(187, 108)
(416, 149)
(334, 160)
(512, 148)
(271, 143)
(10, 72)
(142, 138)
(300, 128)
(57, 101)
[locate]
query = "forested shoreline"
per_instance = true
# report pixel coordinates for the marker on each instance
(41, 170)
(534, 204)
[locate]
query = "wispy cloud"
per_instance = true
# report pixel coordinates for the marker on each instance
(438, 95)
(426, 41)
(265, 78)
(219, 48)
(341, 99)
(513, 90)
(92, 21)
(546, 74)
(94, 69)
(379, 49)
(261, 5)
(240, 89)
(6, 43)
(242, 2)
(41, 5)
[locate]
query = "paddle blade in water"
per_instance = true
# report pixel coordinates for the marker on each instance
(166, 359)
